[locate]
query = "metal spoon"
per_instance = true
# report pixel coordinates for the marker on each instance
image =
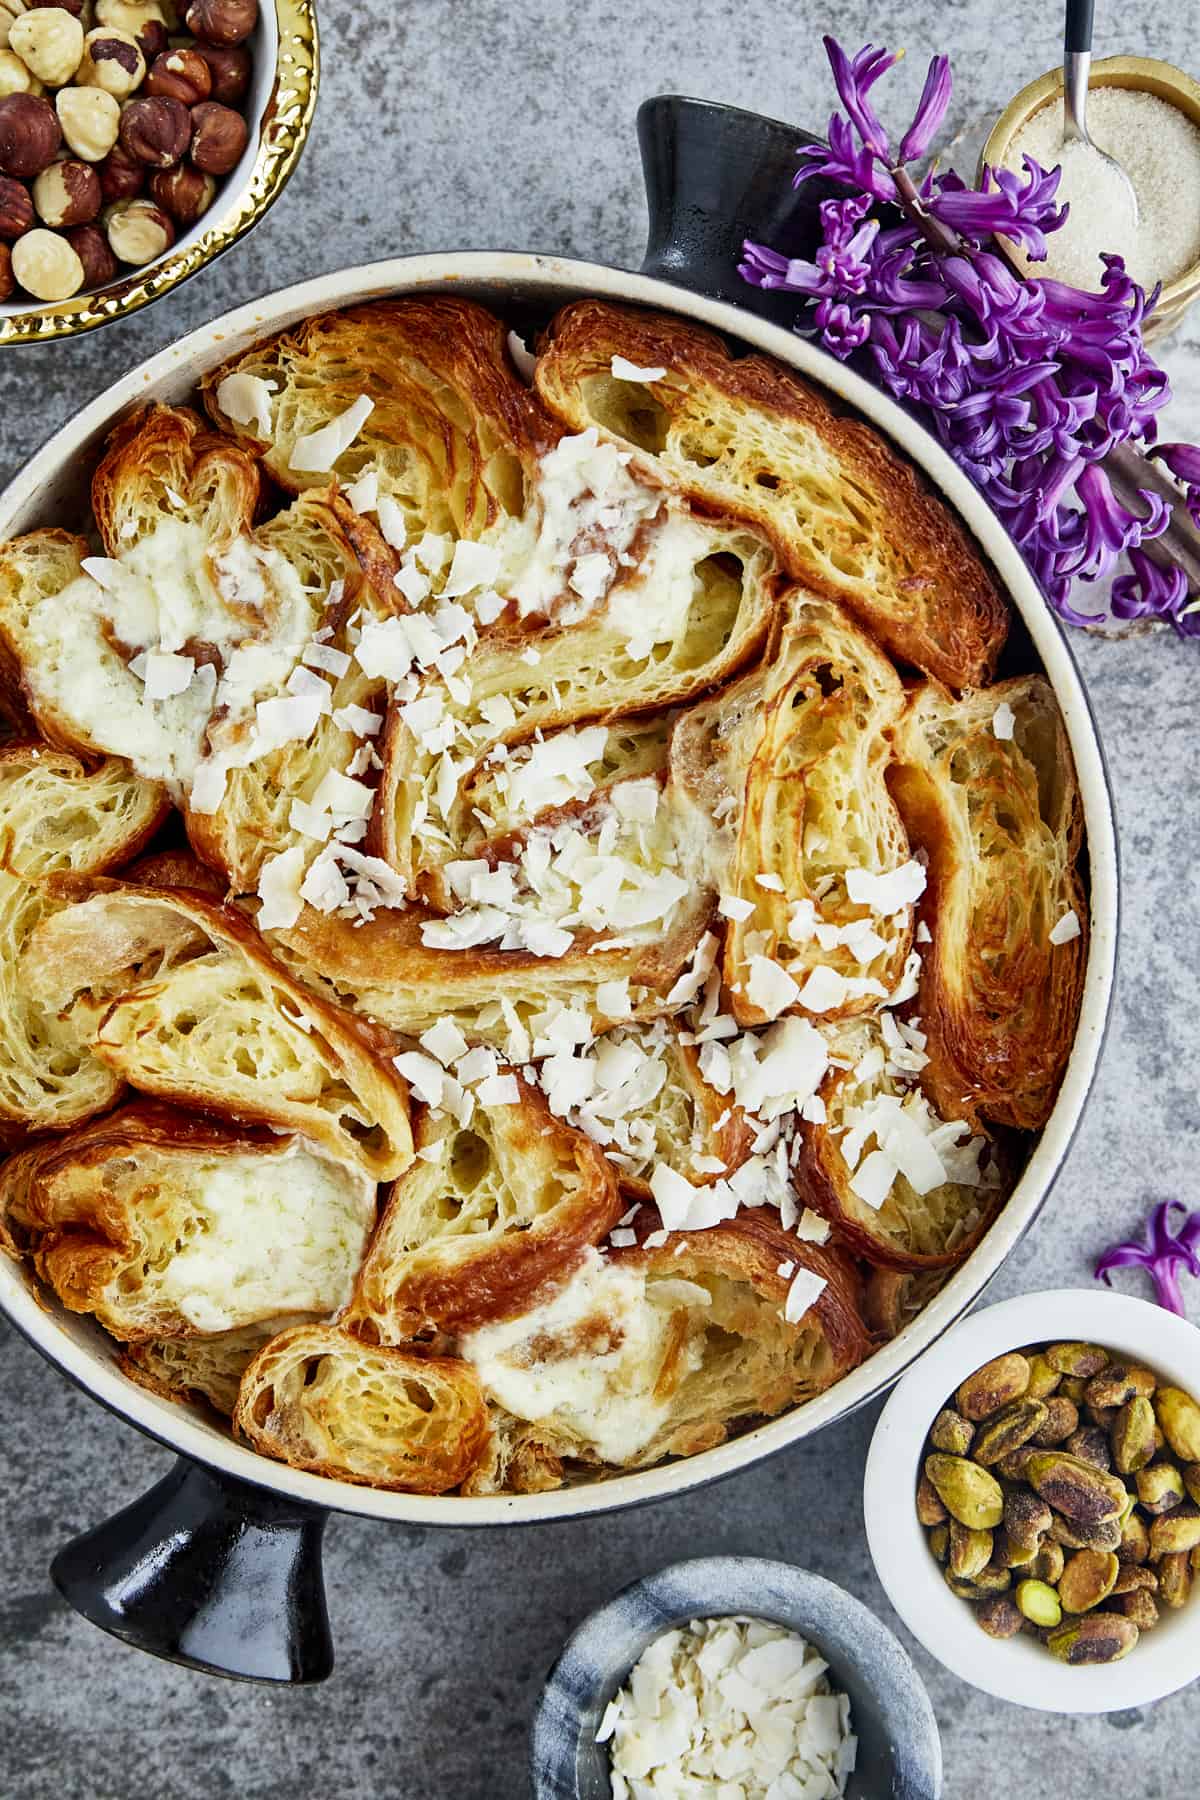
(1077, 63)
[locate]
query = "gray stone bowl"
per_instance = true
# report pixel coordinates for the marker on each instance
(899, 1751)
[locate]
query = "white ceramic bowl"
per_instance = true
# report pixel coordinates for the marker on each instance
(279, 108)
(1020, 1669)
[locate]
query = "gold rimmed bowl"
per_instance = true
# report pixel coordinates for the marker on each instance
(279, 109)
(1147, 75)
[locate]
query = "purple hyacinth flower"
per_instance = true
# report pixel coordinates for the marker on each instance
(842, 331)
(1149, 591)
(854, 77)
(1183, 460)
(1110, 528)
(931, 110)
(1030, 384)
(1161, 1250)
(1006, 205)
(845, 160)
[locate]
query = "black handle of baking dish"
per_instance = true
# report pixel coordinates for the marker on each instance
(715, 176)
(211, 1572)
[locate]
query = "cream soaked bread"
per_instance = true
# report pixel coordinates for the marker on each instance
(143, 650)
(161, 1225)
(590, 1357)
(278, 1235)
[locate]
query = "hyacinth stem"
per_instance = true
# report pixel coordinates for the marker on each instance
(939, 237)
(1128, 468)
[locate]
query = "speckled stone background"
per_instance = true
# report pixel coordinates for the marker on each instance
(448, 124)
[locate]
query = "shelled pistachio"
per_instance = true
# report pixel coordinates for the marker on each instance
(1061, 1493)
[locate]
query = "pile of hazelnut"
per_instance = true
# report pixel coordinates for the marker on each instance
(113, 131)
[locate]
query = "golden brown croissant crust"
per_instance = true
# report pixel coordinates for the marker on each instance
(1001, 822)
(627, 997)
(845, 514)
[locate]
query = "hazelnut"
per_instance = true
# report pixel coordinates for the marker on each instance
(184, 192)
(112, 60)
(29, 135)
(46, 266)
(49, 42)
(229, 67)
(7, 284)
(122, 177)
(153, 39)
(156, 131)
(16, 208)
(138, 231)
(9, 10)
(180, 75)
(222, 21)
(15, 78)
(71, 6)
(218, 137)
(90, 119)
(67, 193)
(142, 19)
(91, 247)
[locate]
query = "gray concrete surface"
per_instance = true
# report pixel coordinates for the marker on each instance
(445, 124)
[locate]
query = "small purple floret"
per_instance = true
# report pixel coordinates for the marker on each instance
(1162, 1251)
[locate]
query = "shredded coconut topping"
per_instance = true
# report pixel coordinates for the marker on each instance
(729, 1706)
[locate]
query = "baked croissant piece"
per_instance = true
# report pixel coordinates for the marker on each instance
(385, 972)
(452, 434)
(204, 1371)
(218, 1023)
(796, 755)
(1000, 820)
(364, 1413)
(900, 1185)
(56, 816)
(747, 437)
(165, 1225)
(646, 1353)
(490, 1210)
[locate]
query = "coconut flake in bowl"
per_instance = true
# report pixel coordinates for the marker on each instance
(735, 1700)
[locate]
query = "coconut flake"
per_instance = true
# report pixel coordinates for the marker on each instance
(612, 999)
(1003, 720)
(524, 361)
(474, 566)
(320, 450)
(770, 988)
(246, 399)
(888, 893)
(1067, 928)
(324, 656)
(805, 1291)
(445, 1041)
(166, 674)
(624, 370)
(279, 890)
(426, 1077)
(363, 494)
(498, 1090)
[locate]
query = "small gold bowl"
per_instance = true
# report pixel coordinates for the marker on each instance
(279, 110)
(1148, 75)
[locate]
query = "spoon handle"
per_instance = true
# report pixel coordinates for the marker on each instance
(1077, 64)
(1078, 33)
